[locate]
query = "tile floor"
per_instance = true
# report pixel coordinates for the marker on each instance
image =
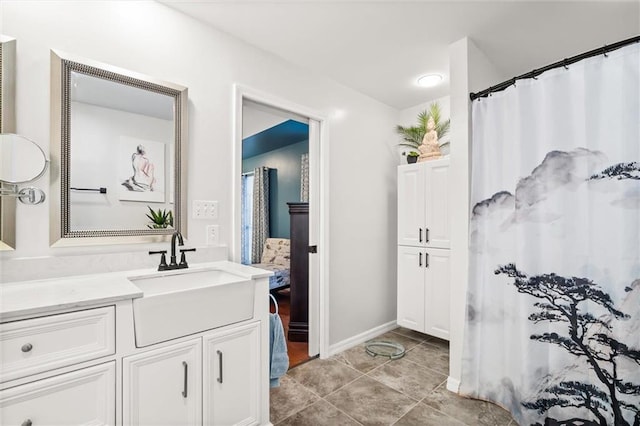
(352, 388)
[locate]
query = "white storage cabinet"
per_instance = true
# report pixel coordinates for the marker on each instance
(423, 247)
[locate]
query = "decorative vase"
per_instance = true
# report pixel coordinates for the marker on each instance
(412, 159)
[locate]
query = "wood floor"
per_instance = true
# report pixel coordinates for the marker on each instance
(298, 351)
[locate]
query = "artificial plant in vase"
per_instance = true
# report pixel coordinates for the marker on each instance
(160, 219)
(412, 136)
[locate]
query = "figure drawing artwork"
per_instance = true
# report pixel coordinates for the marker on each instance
(141, 165)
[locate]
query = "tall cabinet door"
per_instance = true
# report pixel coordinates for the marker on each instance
(164, 386)
(232, 376)
(436, 209)
(437, 293)
(411, 287)
(411, 204)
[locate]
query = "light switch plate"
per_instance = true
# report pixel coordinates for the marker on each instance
(205, 209)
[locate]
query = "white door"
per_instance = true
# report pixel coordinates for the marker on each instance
(437, 293)
(82, 397)
(164, 386)
(411, 269)
(437, 204)
(232, 377)
(411, 199)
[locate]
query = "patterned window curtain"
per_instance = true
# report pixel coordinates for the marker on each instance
(553, 304)
(304, 178)
(260, 212)
(247, 218)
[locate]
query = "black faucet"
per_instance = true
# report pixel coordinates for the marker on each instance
(172, 263)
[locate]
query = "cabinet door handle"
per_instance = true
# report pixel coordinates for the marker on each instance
(220, 366)
(27, 422)
(420, 259)
(420, 239)
(426, 231)
(426, 261)
(27, 347)
(186, 375)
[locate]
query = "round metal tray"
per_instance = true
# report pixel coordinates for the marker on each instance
(392, 350)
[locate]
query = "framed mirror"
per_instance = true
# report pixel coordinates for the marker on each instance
(7, 125)
(118, 153)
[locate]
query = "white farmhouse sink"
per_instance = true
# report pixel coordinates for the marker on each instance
(187, 301)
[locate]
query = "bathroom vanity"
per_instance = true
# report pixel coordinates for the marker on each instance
(183, 347)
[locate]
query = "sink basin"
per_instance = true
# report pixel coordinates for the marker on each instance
(183, 302)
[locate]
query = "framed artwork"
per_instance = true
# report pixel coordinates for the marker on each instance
(141, 170)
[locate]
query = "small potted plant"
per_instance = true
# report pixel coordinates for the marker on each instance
(412, 156)
(160, 219)
(412, 136)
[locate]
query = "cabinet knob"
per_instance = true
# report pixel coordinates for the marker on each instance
(27, 348)
(27, 422)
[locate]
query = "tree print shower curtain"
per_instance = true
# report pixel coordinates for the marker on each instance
(553, 308)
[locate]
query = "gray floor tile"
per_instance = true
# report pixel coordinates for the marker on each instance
(370, 402)
(469, 411)
(320, 413)
(288, 399)
(408, 377)
(411, 333)
(405, 341)
(430, 356)
(424, 415)
(323, 376)
(437, 342)
(357, 358)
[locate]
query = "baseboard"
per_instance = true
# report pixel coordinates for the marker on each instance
(453, 385)
(361, 338)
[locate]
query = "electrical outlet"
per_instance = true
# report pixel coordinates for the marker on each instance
(205, 209)
(213, 235)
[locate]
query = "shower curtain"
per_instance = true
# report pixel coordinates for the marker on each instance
(553, 306)
(260, 220)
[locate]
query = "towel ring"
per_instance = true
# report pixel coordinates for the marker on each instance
(275, 302)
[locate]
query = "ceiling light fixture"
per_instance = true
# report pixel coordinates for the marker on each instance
(429, 80)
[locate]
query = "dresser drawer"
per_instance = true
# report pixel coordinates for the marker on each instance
(40, 344)
(82, 397)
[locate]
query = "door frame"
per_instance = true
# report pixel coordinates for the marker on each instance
(318, 208)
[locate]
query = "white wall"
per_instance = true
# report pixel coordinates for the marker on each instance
(471, 71)
(152, 39)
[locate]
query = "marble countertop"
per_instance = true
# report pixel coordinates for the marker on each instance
(31, 298)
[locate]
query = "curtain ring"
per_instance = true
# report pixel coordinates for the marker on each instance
(564, 64)
(533, 75)
(513, 82)
(604, 51)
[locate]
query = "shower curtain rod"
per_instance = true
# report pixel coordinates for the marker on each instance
(563, 63)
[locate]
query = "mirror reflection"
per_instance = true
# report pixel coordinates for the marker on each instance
(7, 125)
(119, 139)
(121, 161)
(21, 159)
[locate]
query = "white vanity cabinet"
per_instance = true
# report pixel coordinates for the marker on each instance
(163, 386)
(423, 247)
(232, 376)
(69, 352)
(82, 397)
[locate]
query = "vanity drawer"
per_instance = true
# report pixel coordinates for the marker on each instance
(82, 397)
(40, 344)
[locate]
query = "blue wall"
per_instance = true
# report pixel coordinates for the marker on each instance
(284, 181)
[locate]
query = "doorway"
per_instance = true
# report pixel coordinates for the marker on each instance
(280, 142)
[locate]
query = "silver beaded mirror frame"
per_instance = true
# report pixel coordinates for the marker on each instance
(62, 233)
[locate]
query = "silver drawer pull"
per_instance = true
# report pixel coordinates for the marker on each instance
(27, 422)
(27, 348)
